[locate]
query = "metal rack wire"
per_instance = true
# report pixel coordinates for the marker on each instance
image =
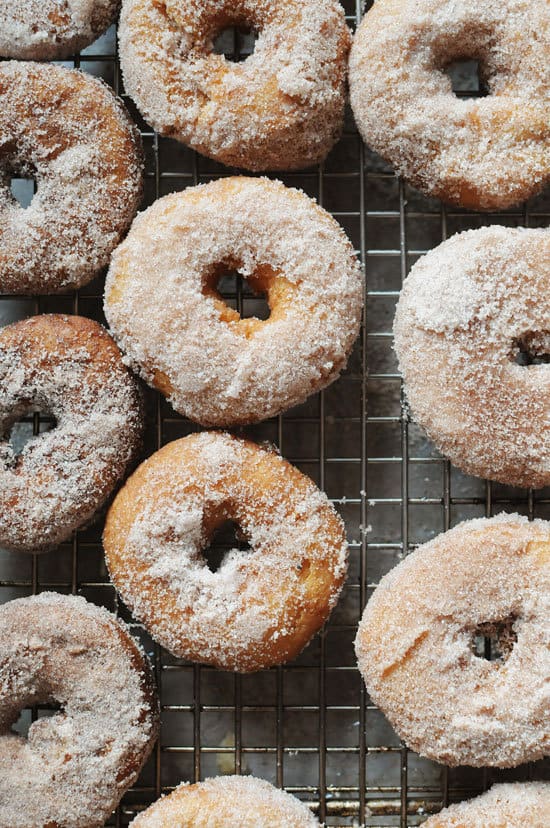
(308, 726)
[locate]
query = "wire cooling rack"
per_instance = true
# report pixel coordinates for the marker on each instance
(308, 726)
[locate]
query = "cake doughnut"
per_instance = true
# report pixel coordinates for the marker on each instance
(263, 604)
(416, 644)
(70, 133)
(484, 153)
(280, 109)
(509, 805)
(70, 368)
(471, 314)
(227, 802)
(164, 310)
(74, 766)
(50, 29)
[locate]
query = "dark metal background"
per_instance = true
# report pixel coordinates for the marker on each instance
(307, 726)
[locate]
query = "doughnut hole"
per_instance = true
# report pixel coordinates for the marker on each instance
(18, 180)
(463, 56)
(466, 78)
(227, 537)
(531, 348)
(494, 640)
(235, 43)
(265, 281)
(23, 427)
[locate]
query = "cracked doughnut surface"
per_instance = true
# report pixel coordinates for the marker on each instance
(70, 368)
(472, 335)
(68, 132)
(263, 604)
(227, 802)
(50, 29)
(484, 153)
(165, 313)
(282, 108)
(74, 766)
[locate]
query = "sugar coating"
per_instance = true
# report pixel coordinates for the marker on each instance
(227, 802)
(281, 108)
(70, 368)
(74, 766)
(485, 153)
(171, 328)
(414, 644)
(50, 29)
(263, 605)
(464, 310)
(71, 134)
(509, 805)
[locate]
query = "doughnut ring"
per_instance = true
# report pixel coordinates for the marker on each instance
(508, 805)
(227, 802)
(74, 766)
(70, 368)
(416, 644)
(48, 29)
(213, 366)
(472, 317)
(483, 153)
(264, 604)
(280, 109)
(70, 133)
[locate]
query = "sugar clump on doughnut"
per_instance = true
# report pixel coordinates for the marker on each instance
(482, 153)
(282, 108)
(416, 644)
(73, 136)
(227, 802)
(508, 805)
(70, 368)
(74, 766)
(263, 604)
(50, 29)
(165, 313)
(472, 312)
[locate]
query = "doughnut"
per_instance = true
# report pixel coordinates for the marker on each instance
(68, 132)
(227, 802)
(74, 766)
(280, 109)
(164, 310)
(472, 312)
(70, 368)
(416, 644)
(263, 604)
(484, 153)
(509, 805)
(50, 29)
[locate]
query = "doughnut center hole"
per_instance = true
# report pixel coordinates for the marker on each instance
(466, 76)
(236, 43)
(242, 302)
(29, 715)
(494, 640)
(532, 348)
(25, 427)
(227, 537)
(23, 190)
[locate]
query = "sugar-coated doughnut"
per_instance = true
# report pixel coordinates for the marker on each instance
(68, 132)
(509, 805)
(467, 311)
(167, 316)
(74, 766)
(415, 644)
(227, 802)
(484, 153)
(264, 604)
(50, 29)
(70, 368)
(280, 109)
